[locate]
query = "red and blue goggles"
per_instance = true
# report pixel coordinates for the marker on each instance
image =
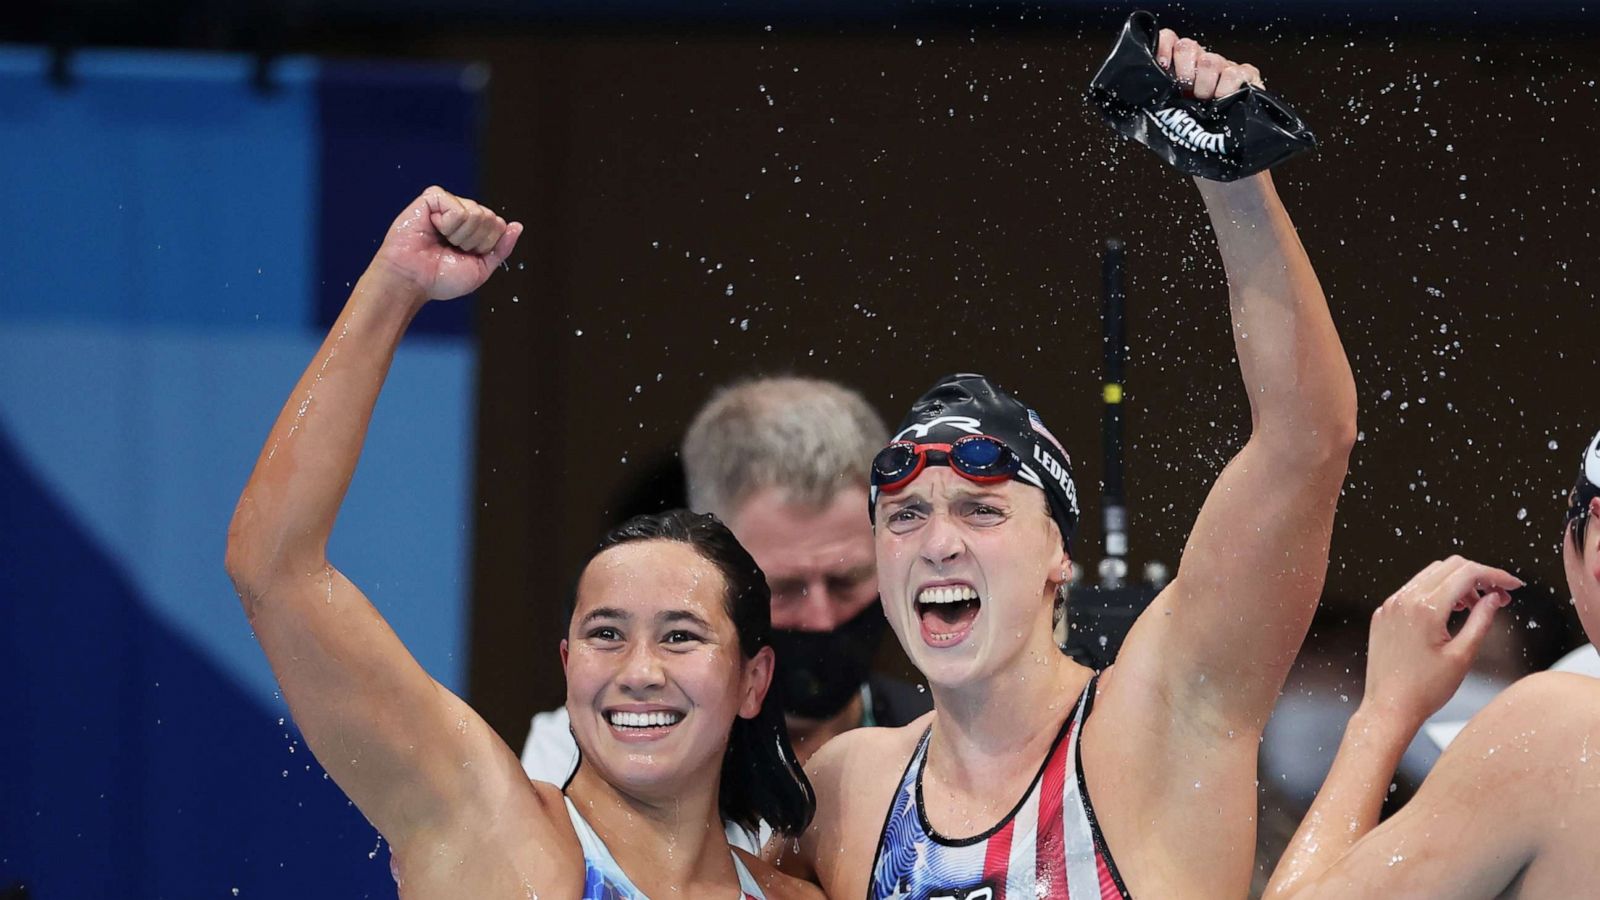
(976, 457)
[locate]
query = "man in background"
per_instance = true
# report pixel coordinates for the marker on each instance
(783, 462)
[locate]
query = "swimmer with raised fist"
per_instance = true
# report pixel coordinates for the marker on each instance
(667, 657)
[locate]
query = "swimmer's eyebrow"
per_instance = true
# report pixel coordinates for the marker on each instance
(986, 495)
(898, 501)
(606, 612)
(682, 615)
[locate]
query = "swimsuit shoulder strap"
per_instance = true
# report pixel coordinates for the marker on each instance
(748, 886)
(602, 876)
(600, 867)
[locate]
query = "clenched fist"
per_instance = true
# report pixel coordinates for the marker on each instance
(446, 246)
(1204, 75)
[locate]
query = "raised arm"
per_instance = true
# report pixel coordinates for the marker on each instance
(1507, 805)
(401, 746)
(1224, 632)
(1413, 667)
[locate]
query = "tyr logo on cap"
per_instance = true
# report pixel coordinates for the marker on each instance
(921, 430)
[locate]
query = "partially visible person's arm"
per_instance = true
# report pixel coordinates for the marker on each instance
(1414, 666)
(400, 745)
(1502, 796)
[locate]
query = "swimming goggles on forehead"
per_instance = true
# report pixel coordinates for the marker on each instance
(976, 457)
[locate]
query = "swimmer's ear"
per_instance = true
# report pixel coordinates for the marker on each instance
(757, 680)
(1066, 569)
(1060, 565)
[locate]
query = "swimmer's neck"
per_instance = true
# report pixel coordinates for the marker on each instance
(1012, 713)
(672, 841)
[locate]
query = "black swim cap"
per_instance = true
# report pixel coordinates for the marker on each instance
(1223, 139)
(1589, 473)
(1584, 490)
(963, 404)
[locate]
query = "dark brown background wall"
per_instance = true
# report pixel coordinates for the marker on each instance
(885, 209)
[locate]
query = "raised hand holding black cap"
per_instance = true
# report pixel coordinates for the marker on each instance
(1206, 115)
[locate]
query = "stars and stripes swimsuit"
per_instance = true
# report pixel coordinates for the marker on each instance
(603, 879)
(1049, 846)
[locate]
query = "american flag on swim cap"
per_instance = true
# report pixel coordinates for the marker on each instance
(1038, 425)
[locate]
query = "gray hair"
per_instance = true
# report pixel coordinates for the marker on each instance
(804, 436)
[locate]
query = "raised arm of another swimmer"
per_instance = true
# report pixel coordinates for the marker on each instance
(1414, 665)
(408, 752)
(1507, 807)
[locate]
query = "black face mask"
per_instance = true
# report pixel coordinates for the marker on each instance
(818, 672)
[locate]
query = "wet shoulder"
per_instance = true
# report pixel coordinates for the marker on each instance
(855, 775)
(865, 756)
(775, 884)
(521, 845)
(1555, 703)
(1537, 734)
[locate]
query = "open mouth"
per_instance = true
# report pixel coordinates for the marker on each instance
(947, 613)
(650, 724)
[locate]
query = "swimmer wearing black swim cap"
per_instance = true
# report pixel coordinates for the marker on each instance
(1035, 776)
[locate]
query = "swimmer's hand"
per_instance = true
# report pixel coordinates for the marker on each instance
(444, 246)
(1414, 665)
(1202, 74)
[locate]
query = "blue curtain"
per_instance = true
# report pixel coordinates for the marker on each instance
(178, 241)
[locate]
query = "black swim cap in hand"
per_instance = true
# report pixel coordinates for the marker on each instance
(1224, 139)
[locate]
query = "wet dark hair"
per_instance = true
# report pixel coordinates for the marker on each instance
(762, 780)
(1576, 523)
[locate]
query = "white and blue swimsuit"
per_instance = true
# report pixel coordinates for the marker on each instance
(603, 879)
